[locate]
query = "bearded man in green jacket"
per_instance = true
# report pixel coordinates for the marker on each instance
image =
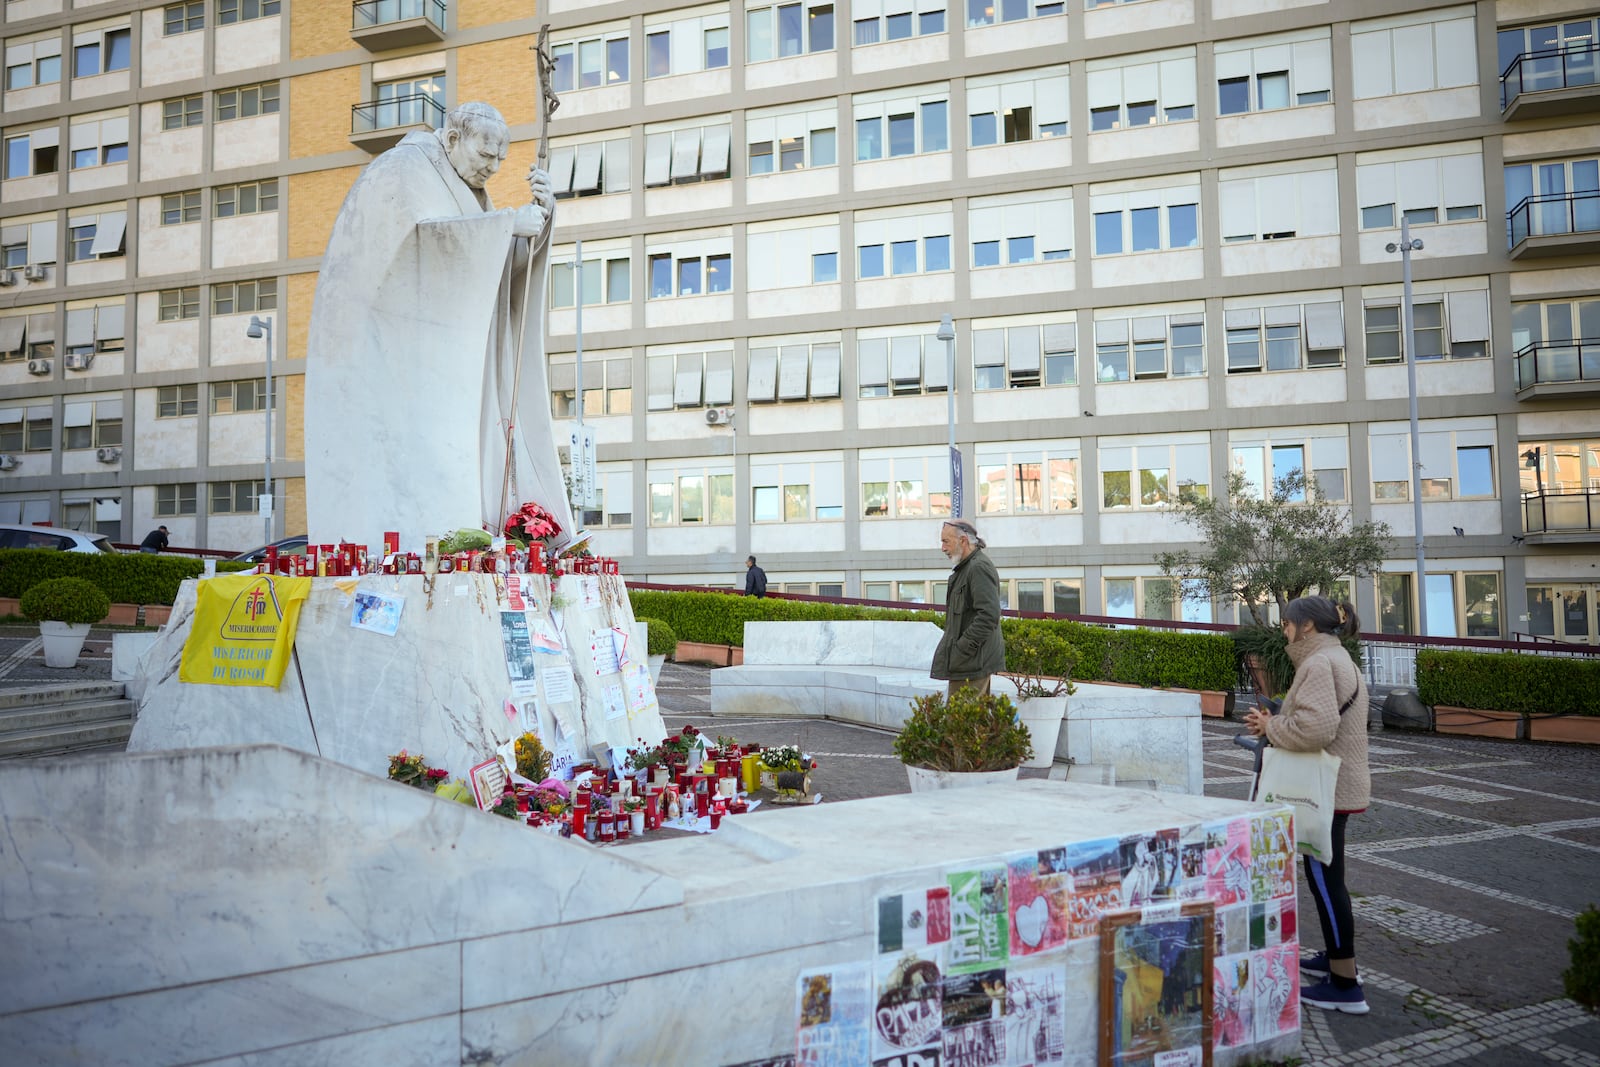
(972, 648)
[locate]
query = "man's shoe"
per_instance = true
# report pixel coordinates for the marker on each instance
(1316, 965)
(1351, 1001)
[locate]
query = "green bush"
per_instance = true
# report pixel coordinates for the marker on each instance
(70, 600)
(1093, 653)
(662, 641)
(968, 731)
(1036, 656)
(135, 578)
(1582, 979)
(1508, 681)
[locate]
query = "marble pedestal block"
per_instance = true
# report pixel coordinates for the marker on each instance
(869, 672)
(266, 907)
(439, 686)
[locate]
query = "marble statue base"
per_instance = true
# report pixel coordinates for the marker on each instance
(439, 686)
(259, 905)
(869, 672)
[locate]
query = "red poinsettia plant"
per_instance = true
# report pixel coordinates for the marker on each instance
(531, 522)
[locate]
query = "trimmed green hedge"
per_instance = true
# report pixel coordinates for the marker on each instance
(1135, 656)
(1508, 681)
(135, 578)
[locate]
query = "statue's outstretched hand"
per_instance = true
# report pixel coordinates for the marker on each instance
(540, 189)
(528, 221)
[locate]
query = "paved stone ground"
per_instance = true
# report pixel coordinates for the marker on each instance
(1467, 871)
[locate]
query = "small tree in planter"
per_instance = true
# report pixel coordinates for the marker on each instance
(64, 608)
(965, 734)
(1039, 663)
(660, 642)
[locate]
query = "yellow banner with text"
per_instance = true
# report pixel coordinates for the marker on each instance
(243, 630)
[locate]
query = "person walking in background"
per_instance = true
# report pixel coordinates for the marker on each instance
(973, 647)
(755, 579)
(154, 541)
(1327, 684)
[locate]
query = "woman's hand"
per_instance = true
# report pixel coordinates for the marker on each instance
(1256, 721)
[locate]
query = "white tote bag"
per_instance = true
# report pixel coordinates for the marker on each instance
(1305, 780)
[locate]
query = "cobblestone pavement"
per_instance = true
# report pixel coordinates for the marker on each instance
(1466, 873)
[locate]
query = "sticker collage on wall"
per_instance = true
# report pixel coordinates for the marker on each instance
(1149, 950)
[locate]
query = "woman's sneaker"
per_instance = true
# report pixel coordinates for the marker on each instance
(1351, 1001)
(1316, 965)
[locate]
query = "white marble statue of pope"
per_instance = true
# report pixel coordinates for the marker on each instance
(413, 347)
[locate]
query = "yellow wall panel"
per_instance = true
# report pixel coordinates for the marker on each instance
(294, 505)
(294, 415)
(471, 13)
(502, 73)
(319, 108)
(318, 29)
(316, 197)
(509, 186)
(301, 288)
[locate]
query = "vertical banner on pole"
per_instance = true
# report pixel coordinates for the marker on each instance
(585, 478)
(955, 482)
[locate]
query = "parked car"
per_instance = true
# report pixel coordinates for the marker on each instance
(16, 535)
(289, 546)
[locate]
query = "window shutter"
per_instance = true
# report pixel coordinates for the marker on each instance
(561, 168)
(761, 383)
(824, 371)
(1469, 315)
(793, 364)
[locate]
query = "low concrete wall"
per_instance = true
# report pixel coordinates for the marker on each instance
(869, 672)
(263, 906)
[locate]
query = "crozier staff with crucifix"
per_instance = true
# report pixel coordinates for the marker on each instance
(427, 407)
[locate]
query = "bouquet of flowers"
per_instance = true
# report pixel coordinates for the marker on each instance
(533, 759)
(531, 522)
(786, 758)
(411, 770)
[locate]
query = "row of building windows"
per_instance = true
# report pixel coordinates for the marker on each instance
(94, 423)
(1438, 44)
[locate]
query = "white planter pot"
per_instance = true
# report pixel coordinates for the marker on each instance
(62, 642)
(924, 780)
(655, 668)
(1042, 716)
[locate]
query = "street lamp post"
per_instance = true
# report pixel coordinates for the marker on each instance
(1405, 248)
(947, 334)
(259, 328)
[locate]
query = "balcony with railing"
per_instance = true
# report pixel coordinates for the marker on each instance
(377, 25)
(1555, 224)
(378, 125)
(1551, 82)
(1562, 515)
(1558, 368)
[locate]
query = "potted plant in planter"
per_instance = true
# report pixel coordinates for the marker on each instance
(965, 739)
(1039, 662)
(64, 608)
(660, 642)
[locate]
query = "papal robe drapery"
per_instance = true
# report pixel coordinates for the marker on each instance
(411, 359)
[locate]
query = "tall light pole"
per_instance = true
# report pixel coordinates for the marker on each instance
(262, 327)
(1405, 248)
(947, 334)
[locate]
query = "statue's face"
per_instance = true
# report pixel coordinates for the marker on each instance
(476, 156)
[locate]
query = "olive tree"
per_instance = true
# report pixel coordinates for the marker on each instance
(1275, 547)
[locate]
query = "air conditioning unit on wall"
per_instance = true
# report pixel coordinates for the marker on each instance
(108, 455)
(8, 463)
(39, 367)
(36, 272)
(8, 277)
(719, 416)
(79, 360)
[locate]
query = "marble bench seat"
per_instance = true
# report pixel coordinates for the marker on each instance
(869, 672)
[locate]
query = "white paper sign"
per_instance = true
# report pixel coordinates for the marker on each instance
(604, 653)
(637, 688)
(615, 707)
(589, 587)
(558, 684)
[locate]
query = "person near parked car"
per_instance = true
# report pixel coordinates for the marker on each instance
(973, 647)
(155, 540)
(755, 579)
(1326, 708)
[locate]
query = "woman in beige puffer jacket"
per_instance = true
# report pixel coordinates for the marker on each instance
(1326, 709)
